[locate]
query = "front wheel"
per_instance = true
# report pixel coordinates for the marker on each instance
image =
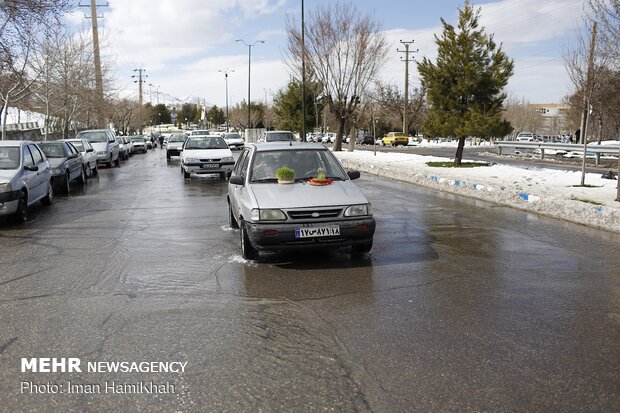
(359, 249)
(66, 183)
(117, 162)
(49, 198)
(248, 252)
(186, 175)
(82, 178)
(21, 215)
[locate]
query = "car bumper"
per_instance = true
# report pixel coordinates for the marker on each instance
(203, 169)
(173, 152)
(352, 232)
(8, 202)
(103, 157)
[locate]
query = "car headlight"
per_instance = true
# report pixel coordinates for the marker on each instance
(268, 215)
(6, 187)
(358, 210)
(228, 159)
(56, 171)
(191, 160)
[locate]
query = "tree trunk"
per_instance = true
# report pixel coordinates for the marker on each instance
(459, 151)
(339, 134)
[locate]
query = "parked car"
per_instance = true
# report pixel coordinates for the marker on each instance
(139, 144)
(234, 140)
(123, 149)
(150, 142)
(525, 137)
(277, 136)
(298, 216)
(127, 141)
(104, 142)
(89, 156)
(395, 139)
(175, 144)
(25, 178)
(206, 154)
(329, 137)
(365, 138)
(66, 163)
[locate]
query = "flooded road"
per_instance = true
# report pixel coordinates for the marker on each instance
(461, 305)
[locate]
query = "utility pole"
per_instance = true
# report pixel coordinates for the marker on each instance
(226, 78)
(139, 81)
(406, 60)
(98, 76)
(586, 102)
(303, 74)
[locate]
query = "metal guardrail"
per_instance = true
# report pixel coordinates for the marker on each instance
(597, 150)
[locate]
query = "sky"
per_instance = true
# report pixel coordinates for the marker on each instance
(185, 45)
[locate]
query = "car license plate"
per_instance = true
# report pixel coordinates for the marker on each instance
(210, 165)
(329, 231)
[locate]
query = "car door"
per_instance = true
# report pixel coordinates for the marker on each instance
(90, 156)
(33, 179)
(75, 164)
(113, 144)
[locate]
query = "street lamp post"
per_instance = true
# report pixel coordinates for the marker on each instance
(249, 77)
(226, 77)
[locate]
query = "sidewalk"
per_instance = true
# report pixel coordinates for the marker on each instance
(544, 191)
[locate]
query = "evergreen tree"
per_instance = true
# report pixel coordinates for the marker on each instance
(216, 116)
(465, 86)
(288, 109)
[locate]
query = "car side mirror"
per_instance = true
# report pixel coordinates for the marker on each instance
(90, 150)
(73, 155)
(236, 180)
(31, 168)
(353, 174)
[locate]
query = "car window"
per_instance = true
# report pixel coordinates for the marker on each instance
(177, 138)
(94, 136)
(36, 154)
(280, 136)
(52, 150)
(237, 170)
(9, 157)
(306, 164)
(79, 146)
(213, 142)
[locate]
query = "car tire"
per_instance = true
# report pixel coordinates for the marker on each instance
(49, 198)
(360, 249)
(21, 215)
(231, 219)
(95, 171)
(117, 162)
(66, 184)
(82, 177)
(109, 163)
(168, 156)
(187, 175)
(248, 252)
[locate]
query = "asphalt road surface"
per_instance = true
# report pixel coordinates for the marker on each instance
(460, 306)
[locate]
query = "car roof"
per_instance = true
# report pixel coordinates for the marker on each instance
(205, 136)
(279, 146)
(14, 143)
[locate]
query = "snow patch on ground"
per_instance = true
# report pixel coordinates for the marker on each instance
(544, 191)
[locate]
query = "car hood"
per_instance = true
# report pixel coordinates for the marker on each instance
(100, 146)
(6, 175)
(206, 153)
(56, 162)
(304, 195)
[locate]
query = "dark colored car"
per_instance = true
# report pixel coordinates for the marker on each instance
(175, 144)
(365, 138)
(66, 163)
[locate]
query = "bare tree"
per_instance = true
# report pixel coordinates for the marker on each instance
(343, 51)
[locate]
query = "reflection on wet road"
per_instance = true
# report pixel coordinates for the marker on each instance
(461, 305)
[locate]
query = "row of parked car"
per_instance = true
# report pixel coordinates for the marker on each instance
(34, 171)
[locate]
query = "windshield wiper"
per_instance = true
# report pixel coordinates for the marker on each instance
(265, 180)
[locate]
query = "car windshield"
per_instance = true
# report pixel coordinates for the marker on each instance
(207, 142)
(279, 136)
(78, 145)
(137, 139)
(177, 138)
(307, 164)
(9, 157)
(93, 137)
(53, 150)
(232, 136)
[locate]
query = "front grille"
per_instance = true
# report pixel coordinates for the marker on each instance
(315, 213)
(211, 160)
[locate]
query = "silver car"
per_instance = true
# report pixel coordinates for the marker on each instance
(104, 142)
(25, 178)
(175, 144)
(89, 155)
(322, 208)
(234, 140)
